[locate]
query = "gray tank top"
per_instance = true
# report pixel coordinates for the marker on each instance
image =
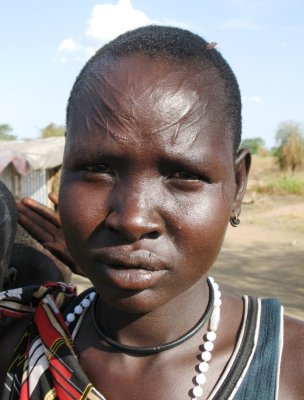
(253, 370)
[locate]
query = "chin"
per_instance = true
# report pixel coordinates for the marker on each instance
(131, 301)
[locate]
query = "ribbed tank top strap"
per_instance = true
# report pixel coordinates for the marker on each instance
(261, 379)
(242, 355)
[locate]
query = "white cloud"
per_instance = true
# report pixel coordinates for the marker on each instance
(107, 21)
(240, 24)
(251, 99)
(69, 46)
(90, 51)
(255, 99)
(110, 20)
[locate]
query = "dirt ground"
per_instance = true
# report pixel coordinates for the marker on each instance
(264, 256)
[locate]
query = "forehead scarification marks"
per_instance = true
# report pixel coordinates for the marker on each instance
(131, 99)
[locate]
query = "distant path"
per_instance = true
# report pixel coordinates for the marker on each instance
(264, 256)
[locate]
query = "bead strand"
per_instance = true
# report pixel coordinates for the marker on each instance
(78, 310)
(209, 338)
(208, 346)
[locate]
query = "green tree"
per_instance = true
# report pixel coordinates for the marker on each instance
(52, 130)
(290, 140)
(5, 134)
(253, 144)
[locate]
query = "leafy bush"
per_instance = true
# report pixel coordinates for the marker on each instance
(52, 130)
(253, 144)
(282, 186)
(290, 138)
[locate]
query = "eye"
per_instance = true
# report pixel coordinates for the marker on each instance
(186, 176)
(188, 180)
(99, 169)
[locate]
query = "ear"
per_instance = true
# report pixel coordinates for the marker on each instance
(241, 168)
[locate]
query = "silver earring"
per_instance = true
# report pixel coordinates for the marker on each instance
(234, 221)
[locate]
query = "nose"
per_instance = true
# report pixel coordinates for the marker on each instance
(135, 214)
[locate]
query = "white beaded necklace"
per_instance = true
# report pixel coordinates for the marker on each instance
(79, 309)
(209, 338)
(208, 346)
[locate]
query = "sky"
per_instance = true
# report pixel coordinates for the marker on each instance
(45, 43)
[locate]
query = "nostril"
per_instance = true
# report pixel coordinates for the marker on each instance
(131, 231)
(150, 235)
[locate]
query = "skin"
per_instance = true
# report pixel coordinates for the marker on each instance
(148, 186)
(44, 225)
(156, 190)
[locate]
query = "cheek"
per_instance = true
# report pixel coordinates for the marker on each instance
(81, 210)
(203, 223)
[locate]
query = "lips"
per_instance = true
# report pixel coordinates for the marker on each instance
(129, 270)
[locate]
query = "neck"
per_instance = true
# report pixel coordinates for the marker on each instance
(159, 326)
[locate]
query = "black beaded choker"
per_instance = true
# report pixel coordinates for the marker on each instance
(162, 347)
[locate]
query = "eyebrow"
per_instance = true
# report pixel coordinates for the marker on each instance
(165, 160)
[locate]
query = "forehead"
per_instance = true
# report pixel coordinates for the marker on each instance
(131, 94)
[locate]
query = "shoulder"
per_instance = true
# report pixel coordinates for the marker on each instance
(19, 305)
(292, 365)
(9, 338)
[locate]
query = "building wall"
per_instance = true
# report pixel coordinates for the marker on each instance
(33, 185)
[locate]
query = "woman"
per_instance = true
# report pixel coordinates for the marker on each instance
(151, 178)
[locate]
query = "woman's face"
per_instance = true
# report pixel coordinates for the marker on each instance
(148, 180)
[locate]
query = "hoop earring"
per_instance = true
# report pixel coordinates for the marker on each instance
(234, 221)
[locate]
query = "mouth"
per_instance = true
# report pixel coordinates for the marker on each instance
(130, 270)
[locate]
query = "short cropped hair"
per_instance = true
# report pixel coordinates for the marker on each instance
(181, 46)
